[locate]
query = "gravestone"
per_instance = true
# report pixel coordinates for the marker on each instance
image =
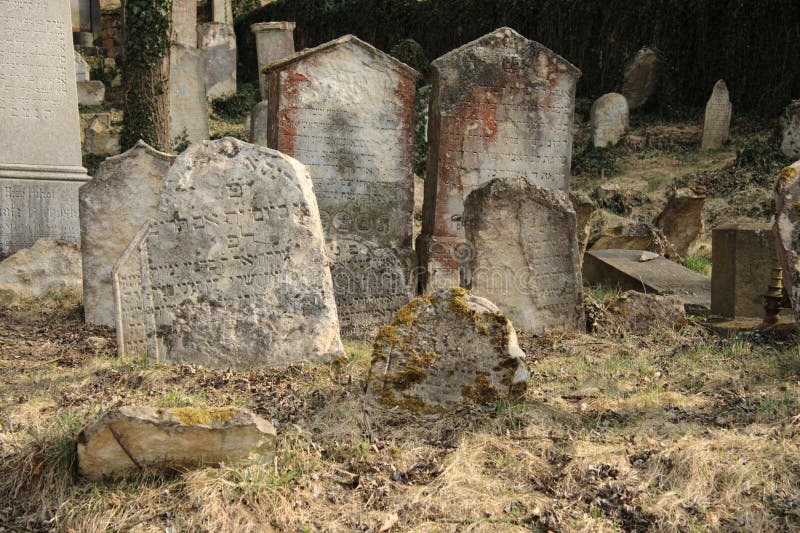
(633, 270)
(524, 254)
(131, 181)
(717, 122)
(40, 158)
(218, 43)
(609, 118)
(787, 232)
(681, 221)
(188, 111)
(790, 130)
(184, 23)
(100, 138)
(258, 123)
(91, 92)
(274, 41)
(232, 271)
(640, 79)
(222, 11)
(445, 350)
(345, 110)
(743, 256)
(501, 106)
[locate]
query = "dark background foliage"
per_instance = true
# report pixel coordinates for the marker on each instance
(752, 44)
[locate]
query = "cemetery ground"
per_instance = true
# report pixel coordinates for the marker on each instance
(672, 431)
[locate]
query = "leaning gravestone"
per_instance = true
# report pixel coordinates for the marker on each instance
(445, 350)
(640, 79)
(218, 44)
(232, 271)
(501, 106)
(524, 254)
(40, 152)
(787, 231)
(610, 119)
(346, 110)
(790, 130)
(717, 123)
(113, 206)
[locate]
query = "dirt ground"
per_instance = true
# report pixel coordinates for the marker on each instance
(672, 431)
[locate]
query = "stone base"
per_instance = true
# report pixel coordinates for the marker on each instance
(38, 202)
(730, 328)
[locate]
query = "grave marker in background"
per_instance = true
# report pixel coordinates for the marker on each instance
(717, 122)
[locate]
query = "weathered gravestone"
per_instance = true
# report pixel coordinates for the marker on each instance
(184, 23)
(445, 350)
(113, 207)
(742, 261)
(232, 271)
(610, 119)
(222, 11)
(790, 130)
(524, 254)
(218, 44)
(345, 110)
(258, 123)
(501, 106)
(640, 79)
(636, 271)
(40, 152)
(787, 231)
(717, 122)
(81, 68)
(274, 41)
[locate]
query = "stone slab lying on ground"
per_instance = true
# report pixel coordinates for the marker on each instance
(47, 266)
(622, 269)
(444, 350)
(126, 440)
(742, 262)
(787, 231)
(639, 313)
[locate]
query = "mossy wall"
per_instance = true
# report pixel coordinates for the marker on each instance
(752, 44)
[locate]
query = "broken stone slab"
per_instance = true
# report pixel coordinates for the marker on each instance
(584, 206)
(681, 221)
(790, 130)
(81, 68)
(717, 121)
(622, 269)
(639, 313)
(47, 266)
(100, 138)
(609, 119)
(743, 257)
(631, 236)
(91, 92)
(787, 231)
(127, 440)
(445, 350)
(641, 78)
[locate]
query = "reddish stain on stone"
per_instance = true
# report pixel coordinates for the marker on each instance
(288, 130)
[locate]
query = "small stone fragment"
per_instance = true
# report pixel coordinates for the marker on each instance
(47, 266)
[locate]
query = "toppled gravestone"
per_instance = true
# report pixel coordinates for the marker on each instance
(129, 439)
(787, 231)
(681, 221)
(45, 267)
(232, 271)
(639, 313)
(445, 350)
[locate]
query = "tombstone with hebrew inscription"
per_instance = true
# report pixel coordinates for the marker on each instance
(717, 121)
(501, 107)
(524, 254)
(40, 150)
(233, 268)
(345, 109)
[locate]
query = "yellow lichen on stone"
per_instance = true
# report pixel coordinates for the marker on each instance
(210, 415)
(387, 336)
(786, 175)
(796, 206)
(457, 302)
(407, 315)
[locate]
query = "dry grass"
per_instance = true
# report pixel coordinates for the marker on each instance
(675, 431)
